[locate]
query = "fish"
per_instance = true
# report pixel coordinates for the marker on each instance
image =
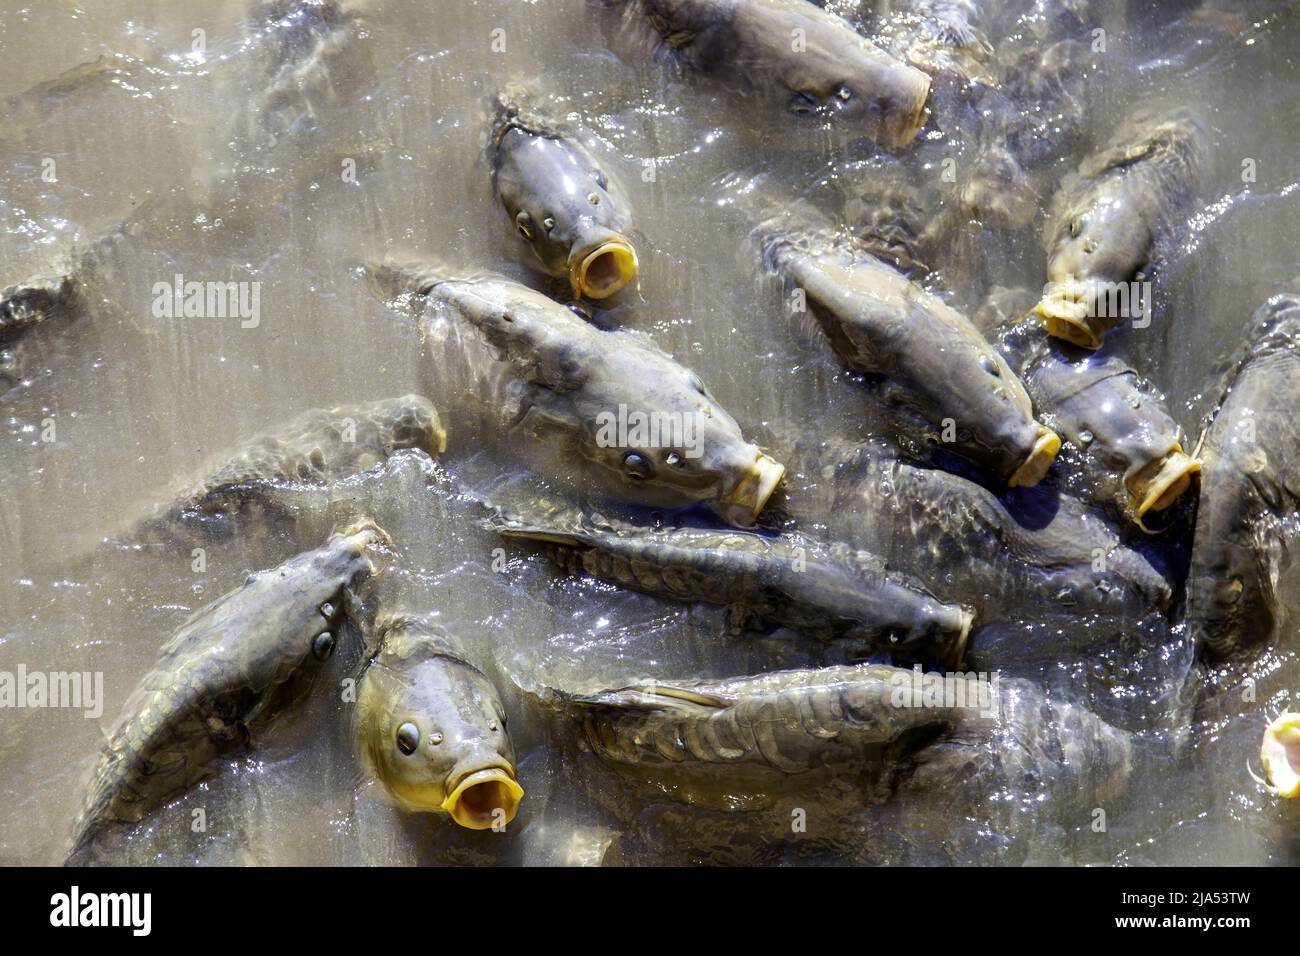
(1108, 411)
(791, 579)
(919, 731)
(39, 301)
(647, 425)
(562, 202)
(431, 726)
(313, 449)
(881, 323)
(226, 673)
(1109, 224)
(1250, 488)
(1048, 549)
(812, 56)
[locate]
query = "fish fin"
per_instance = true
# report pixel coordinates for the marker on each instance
(653, 697)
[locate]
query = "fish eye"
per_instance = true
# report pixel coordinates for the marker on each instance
(844, 93)
(408, 738)
(637, 466)
(599, 178)
(548, 223)
(524, 223)
(322, 645)
(593, 198)
(803, 103)
(672, 458)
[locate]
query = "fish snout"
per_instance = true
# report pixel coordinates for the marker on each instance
(483, 793)
(745, 499)
(601, 263)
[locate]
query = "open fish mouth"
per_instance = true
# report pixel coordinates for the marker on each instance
(750, 494)
(1034, 467)
(484, 798)
(604, 270)
(1068, 313)
(1159, 484)
(1280, 755)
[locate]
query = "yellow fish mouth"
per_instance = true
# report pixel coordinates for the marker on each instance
(1280, 755)
(605, 270)
(484, 799)
(755, 487)
(1159, 484)
(1067, 315)
(1041, 456)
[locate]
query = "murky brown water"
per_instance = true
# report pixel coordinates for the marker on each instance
(160, 160)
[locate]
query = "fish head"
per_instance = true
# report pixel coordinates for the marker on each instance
(434, 733)
(322, 584)
(668, 443)
(565, 207)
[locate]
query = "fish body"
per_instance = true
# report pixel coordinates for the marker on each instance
(882, 323)
(1114, 416)
(812, 56)
(1250, 489)
(227, 672)
(562, 203)
(432, 727)
(1050, 551)
(936, 733)
(612, 400)
(26, 306)
(1108, 225)
(790, 580)
(313, 449)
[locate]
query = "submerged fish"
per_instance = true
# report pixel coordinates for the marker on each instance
(882, 323)
(959, 735)
(432, 727)
(313, 449)
(562, 203)
(226, 673)
(1047, 550)
(1115, 417)
(791, 45)
(24, 307)
(790, 580)
(1107, 226)
(611, 399)
(1250, 488)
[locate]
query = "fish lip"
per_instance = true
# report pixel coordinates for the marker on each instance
(627, 267)
(504, 776)
(1281, 758)
(1159, 484)
(912, 117)
(1040, 458)
(963, 637)
(1065, 314)
(751, 492)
